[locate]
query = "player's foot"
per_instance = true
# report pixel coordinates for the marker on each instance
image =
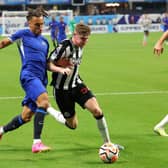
(120, 147)
(40, 147)
(160, 131)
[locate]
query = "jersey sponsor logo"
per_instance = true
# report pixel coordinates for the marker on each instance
(75, 61)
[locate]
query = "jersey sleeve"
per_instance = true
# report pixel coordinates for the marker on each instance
(17, 35)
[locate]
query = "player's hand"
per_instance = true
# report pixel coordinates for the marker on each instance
(66, 71)
(158, 49)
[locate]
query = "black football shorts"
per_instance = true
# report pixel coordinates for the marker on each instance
(66, 99)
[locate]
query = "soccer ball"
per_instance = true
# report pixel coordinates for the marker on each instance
(108, 153)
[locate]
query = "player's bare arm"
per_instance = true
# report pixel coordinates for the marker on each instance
(57, 68)
(158, 48)
(5, 42)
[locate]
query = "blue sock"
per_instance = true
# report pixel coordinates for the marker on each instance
(15, 123)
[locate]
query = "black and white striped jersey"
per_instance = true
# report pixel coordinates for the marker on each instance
(68, 50)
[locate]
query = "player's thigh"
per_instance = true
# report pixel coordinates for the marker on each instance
(92, 105)
(82, 94)
(43, 100)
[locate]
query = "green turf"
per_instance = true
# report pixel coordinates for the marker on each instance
(112, 63)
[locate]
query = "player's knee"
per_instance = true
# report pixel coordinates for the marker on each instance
(26, 118)
(97, 112)
(44, 104)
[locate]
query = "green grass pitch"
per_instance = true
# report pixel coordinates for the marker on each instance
(127, 79)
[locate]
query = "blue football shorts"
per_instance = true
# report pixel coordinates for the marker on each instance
(33, 88)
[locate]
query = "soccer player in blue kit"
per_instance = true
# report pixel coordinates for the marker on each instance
(33, 49)
(62, 29)
(53, 26)
(165, 22)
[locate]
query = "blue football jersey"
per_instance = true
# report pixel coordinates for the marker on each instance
(33, 50)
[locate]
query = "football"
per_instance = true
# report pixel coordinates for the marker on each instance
(108, 153)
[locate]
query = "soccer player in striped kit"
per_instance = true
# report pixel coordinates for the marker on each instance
(146, 22)
(69, 88)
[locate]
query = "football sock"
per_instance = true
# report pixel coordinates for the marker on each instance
(56, 114)
(163, 122)
(16, 122)
(102, 126)
(1, 130)
(38, 122)
(36, 141)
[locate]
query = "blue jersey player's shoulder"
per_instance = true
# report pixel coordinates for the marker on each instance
(20, 34)
(44, 38)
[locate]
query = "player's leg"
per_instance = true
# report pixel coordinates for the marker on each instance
(66, 105)
(53, 39)
(160, 127)
(42, 104)
(85, 98)
(56, 114)
(37, 100)
(71, 122)
(17, 121)
(145, 38)
(93, 106)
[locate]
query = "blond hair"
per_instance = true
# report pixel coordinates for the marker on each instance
(82, 29)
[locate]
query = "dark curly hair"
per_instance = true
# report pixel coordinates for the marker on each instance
(39, 11)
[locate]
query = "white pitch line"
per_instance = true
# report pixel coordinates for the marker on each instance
(132, 93)
(101, 94)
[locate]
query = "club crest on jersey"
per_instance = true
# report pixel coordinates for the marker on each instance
(43, 43)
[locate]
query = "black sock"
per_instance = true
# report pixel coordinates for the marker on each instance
(15, 123)
(38, 122)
